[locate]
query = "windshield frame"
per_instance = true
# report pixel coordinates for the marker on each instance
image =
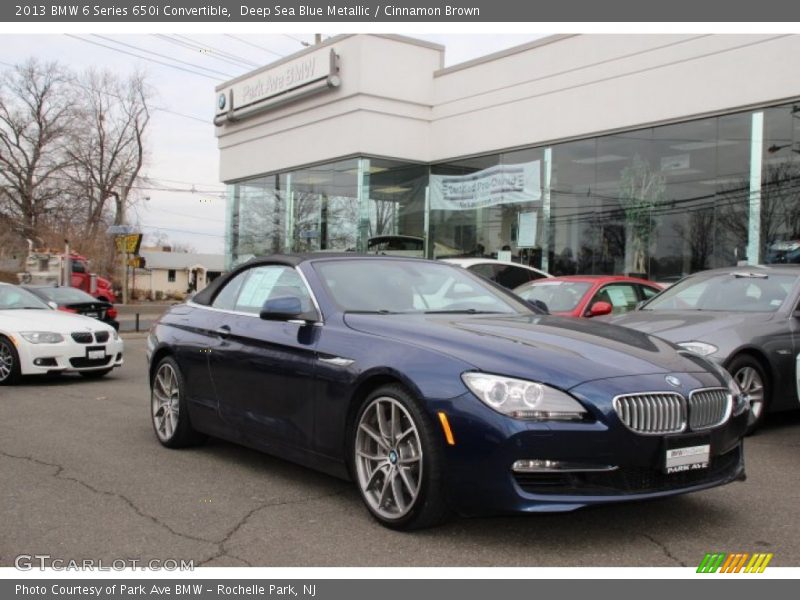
(514, 304)
(27, 295)
(699, 278)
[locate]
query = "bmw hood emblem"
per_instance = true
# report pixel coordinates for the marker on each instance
(673, 381)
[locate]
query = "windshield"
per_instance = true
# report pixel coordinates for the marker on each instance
(66, 295)
(558, 296)
(405, 286)
(13, 297)
(738, 292)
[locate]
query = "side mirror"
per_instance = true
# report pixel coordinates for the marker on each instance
(538, 304)
(281, 309)
(599, 309)
(52, 305)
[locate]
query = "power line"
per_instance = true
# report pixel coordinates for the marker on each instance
(243, 41)
(291, 37)
(212, 50)
(196, 48)
(158, 228)
(153, 60)
(117, 96)
(183, 62)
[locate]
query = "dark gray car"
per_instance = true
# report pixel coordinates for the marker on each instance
(746, 319)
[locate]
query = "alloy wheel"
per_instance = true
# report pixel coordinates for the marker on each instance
(388, 454)
(165, 402)
(6, 362)
(750, 382)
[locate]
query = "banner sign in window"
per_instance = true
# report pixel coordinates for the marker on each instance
(501, 184)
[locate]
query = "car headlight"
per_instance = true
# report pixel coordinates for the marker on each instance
(115, 334)
(700, 348)
(522, 399)
(42, 337)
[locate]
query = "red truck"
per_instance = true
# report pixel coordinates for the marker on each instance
(48, 268)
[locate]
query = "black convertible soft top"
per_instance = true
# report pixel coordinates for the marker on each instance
(206, 296)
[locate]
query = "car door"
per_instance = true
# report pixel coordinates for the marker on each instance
(262, 370)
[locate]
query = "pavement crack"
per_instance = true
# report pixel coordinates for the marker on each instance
(223, 551)
(59, 475)
(663, 548)
(220, 544)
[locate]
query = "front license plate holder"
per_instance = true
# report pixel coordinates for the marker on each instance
(686, 453)
(98, 353)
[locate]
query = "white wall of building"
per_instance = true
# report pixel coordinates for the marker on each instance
(396, 101)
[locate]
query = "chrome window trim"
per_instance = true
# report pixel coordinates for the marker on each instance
(241, 313)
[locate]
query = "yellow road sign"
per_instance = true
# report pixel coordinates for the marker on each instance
(129, 243)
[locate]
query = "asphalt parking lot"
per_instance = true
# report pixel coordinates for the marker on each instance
(82, 477)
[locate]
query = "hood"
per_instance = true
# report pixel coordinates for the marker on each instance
(48, 320)
(561, 352)
(687, 325)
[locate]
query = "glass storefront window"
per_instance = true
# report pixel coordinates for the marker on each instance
(660, 202)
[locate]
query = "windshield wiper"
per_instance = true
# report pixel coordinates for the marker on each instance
(381, 311)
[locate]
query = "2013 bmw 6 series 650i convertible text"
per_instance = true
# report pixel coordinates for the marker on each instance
(437, 391)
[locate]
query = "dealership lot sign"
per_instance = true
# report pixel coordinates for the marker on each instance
(501, 184)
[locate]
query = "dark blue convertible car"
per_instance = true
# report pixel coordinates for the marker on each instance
(437, 391)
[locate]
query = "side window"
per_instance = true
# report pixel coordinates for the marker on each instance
(648, 292)
(226, 297)
(512, 277)
(621, 297)
(268, 282)
(484, 270)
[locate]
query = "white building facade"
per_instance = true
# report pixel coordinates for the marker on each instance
(652, 154)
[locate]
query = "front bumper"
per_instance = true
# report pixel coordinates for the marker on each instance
(480, 479)
(68, 356)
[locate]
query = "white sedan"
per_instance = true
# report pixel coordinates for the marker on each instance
(37, 340)
(508, 274)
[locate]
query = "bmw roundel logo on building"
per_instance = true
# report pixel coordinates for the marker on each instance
(673, 381)
(221, 101)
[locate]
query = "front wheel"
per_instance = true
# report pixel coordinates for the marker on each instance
(9, 363)
(398, 461)
(750, 376)
(168, 407)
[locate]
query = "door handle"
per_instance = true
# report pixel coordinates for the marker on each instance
(223, 331)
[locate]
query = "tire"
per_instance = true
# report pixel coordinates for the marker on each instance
(749, 374)
(9, 363)
(169, 407)
(398, 461)
(96, 374)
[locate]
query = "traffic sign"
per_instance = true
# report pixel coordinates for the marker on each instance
(129, 243)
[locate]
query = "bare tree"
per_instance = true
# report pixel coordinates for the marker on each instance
(36, 118)
(108, 150)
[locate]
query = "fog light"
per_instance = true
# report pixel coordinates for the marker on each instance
(45, 362)
(536, 465)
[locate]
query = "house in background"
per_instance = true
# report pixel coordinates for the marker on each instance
(174, 274)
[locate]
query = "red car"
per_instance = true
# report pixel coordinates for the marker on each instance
(588, 295)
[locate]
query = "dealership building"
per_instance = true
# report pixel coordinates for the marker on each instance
(653, 154)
